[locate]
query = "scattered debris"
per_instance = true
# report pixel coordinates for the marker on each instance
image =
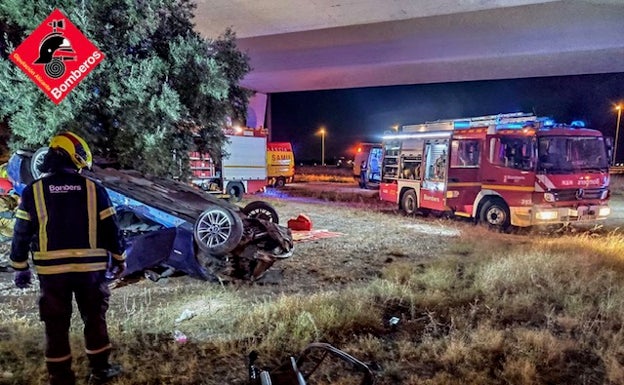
(298, 370)
(313, 235)
(301, 223)
(186, 315)
(179, 337)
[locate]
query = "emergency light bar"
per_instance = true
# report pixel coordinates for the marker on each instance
(548, 123)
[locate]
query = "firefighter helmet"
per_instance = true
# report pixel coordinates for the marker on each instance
(75, 147)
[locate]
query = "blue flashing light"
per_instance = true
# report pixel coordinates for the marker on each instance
(577, 123)
(461, 124)
(549, 123)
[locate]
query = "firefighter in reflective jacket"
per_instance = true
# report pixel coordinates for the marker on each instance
(68, 223)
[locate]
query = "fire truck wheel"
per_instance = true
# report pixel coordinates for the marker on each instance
(261, 210)
(236, 191)
(280, 182)
(495, 214)
(218, 230)
(409, 204)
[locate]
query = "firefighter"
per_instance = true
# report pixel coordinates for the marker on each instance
(363, 170)
(68, 223)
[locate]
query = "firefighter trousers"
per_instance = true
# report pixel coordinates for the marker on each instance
(55, 309)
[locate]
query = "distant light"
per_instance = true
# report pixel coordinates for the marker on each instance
(238, 129)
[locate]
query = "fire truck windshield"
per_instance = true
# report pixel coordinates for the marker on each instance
(568, 154)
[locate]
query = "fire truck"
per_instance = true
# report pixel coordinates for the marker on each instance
(504, 170)
(242, 170)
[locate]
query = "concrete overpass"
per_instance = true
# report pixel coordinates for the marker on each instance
(301, 45)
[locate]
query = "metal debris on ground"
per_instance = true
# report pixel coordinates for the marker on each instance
(299, 370)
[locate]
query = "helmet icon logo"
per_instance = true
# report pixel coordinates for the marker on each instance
(54, 49)
(56, 56)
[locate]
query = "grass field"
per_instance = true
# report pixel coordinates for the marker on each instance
(473, 307)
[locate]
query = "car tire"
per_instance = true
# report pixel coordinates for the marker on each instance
(36, 161)
(218, 230)
(261, 210)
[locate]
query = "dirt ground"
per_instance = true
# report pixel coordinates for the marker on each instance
(372, 235)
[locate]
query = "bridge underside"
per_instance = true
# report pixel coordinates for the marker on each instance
(333, 44)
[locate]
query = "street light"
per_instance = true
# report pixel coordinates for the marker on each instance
(322, 132)
(617, 132)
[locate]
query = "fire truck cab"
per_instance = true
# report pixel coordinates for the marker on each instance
(504, 170)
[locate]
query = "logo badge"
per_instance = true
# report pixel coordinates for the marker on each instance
(579, 194)
(56, 56)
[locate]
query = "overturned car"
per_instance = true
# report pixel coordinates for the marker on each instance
(170, 227)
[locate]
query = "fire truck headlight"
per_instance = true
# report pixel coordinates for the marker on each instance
(604, 211)
(604, 195)
(546, 215)
(549, 197)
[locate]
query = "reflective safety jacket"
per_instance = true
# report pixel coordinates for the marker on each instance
(69, 224)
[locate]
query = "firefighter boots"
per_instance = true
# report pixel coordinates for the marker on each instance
(102, 376)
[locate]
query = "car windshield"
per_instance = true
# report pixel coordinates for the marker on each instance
(568, 154)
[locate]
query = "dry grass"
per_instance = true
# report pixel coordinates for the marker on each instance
(324, 174)
(474, 307)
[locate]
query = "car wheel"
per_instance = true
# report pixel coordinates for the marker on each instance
(36, 161)
(409, 203)
(495, 214)
(218, 230)
(261, 210)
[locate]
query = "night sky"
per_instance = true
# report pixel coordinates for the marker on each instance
(363, 114)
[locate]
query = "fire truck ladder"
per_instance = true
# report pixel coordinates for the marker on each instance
(489, 120)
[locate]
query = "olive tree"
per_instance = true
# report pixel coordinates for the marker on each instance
(161, 90)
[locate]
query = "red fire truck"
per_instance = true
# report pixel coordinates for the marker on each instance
(504, 170)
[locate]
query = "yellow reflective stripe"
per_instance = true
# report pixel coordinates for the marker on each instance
(96, 351)
(19, 265)
(42, 214)
(464, 184)
(59, 359)
(508, 188)
(22, 214)
(107, 213)
(92, 209)
(118, 257)
(71, 268)
(69, 253)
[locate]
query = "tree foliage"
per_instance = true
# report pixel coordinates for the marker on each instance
(161, 90)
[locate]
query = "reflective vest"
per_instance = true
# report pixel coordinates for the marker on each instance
(69, 224)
